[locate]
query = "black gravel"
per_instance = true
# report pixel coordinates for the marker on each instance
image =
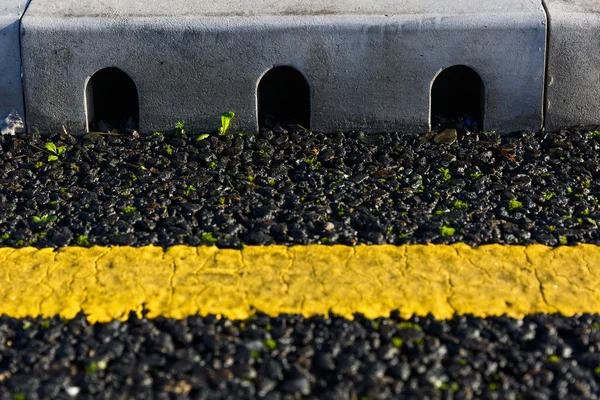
(292, 186)
(290, 357)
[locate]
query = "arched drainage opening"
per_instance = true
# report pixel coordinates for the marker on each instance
(283, 96)
(111, 101)
(457, 99)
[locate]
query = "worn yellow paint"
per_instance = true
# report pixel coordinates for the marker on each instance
(109, 282)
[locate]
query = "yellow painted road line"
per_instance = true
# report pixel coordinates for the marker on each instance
(109, 282)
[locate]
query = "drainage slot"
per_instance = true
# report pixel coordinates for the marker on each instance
(283, 97)
(457, 99)
(111, 101)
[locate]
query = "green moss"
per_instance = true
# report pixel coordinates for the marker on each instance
(270, 344)
(514, 205)
(447, 231)
(459, 205)
(208, 237)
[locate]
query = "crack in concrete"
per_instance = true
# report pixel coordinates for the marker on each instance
(472, 263)
(537, 276)
(281, 274)
(7, 270)
(452, 293)
(43, 282)
(96, 277)
(171, 279)
(214, 258)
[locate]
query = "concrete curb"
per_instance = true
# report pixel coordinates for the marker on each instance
(362, 67)
(11, 92)
(573, 93)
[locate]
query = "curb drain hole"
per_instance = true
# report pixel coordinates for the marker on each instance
(457, 99)
(111, 101)
(283, 97)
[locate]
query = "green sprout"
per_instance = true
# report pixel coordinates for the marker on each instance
(180, 128)
(189, 189)
(39, 165)
(44, 218)
(202, 137)
(169, 149)
(397, 342)
(82, 240)
(95, 366)
(562, 240)
(514, 205)
(459, 205)
(156, 133)
(594, 133)
(54, 152)
(553, 358)
(475, 176)
(212, 165)
(445, 174)
(129, 209)
(225, 121)
(222, 200)
(5, 236)
(208, 237)
(447, 231)
(270, 344)
(549, 196)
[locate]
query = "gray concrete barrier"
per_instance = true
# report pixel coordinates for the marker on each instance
(343, 65)
(11, 92)
(573, 92)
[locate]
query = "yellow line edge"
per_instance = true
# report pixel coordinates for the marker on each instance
(107, 283)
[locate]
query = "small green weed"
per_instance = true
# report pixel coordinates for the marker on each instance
(5, 236)
(202, 137)
(447, 231)
(410, 325)
(44, 218)
(208, 238)
(445, 174)
(562, 240)
(514, 205)
(397, 342)
(271, 182)
(594, 133)
(250, 178)
(221, 200)
(180, 128)
(39, 164)
(169, 149)
(45, 324)
(129, 209)
(54, 152)
(19, 396)
(553, 358)
(212, 165)
(189, 190)
(96, 366)
(270, 344)
(475, 176)
(225, 121)
(156, 133)
(549, 196)
(82, 240)
(459, 205)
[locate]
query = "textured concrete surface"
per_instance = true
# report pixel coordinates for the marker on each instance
(573, 63)
(11, 92)
(370, 65)
(108, 283)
